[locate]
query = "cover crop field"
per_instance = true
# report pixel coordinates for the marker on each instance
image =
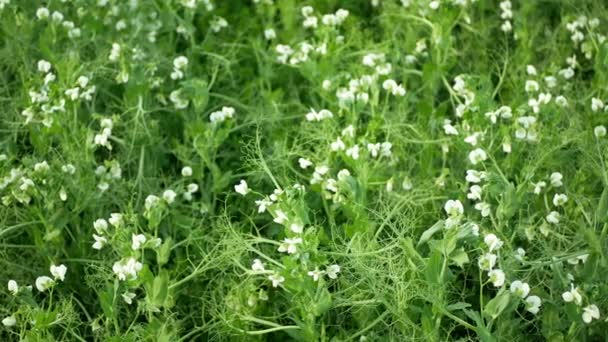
(315, 170)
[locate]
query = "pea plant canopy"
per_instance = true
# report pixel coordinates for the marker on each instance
(303, 170)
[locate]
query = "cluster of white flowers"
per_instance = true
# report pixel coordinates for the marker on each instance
(218, 24)
(278, 205)
(321, 115)
(587, 42)
(176, 97)
(455, 210)
(597, 105)
(332, 19)
(127, 269)
(102, 139)
(110, 171)
(57, 17)
(43, 106)
(179, 65)
(101, 228)
(393, 87)
(287, 55)
(462, 93)
(222, 115)
(590, 312)
(522, 290)
(506, 16)
(44, 283)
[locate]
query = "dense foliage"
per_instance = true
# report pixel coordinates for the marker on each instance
(319, 170)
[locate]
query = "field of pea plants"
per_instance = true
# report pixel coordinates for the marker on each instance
(303, 170)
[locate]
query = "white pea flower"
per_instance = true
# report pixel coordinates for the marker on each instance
(599, 131)
(169, 196)
(186, 171)
(497, 277)
(393, 87)
(519, 254)
(13, 287)
(453, 208)
(448, 128)
(115, 52)
(556, 179)
(531, 70)
(337, 145)
(281, 217)
(115, 219)
(553, 217)
(373, 149)
(316, 274)
(407, 184)
(474, 193)
(474, 176)
(263, 204)
(43, 166)
(180, 62)
(572, 296)
(190, 189)
(353, 152)
(257, 266)
(484, 208)
(591, 312)
(68, 168)
(128, 297)
(9, 321)
(58, 271)
(296, 228)
(242, 188)
(100, 241)
(137, 241)
(560, 199)
(63, 195)
(561, 101)
(222, 115)
(520, 289)
(43, 283)
(290, 245)
(385, 149)
(151, 202)
(270, 34)
(127, 269)
(44, 66)
(531, 86)
(493, 242)
(477, 155)
(538, 187)
(332, 271)
(533, 304)
(597, 104)
(304, 163)
(42, 13)
(487, 262)
(276, 279)
(100, 225)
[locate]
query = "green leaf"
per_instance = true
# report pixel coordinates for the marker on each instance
(322, 302)
(160, 288)
(433, 268)
(460, 257)
(164, 252)
(496, 306)
(427, 234)
(106, 299)
(458, 306)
